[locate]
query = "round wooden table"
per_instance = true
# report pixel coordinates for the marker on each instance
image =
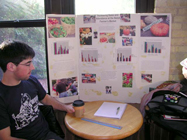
(131, 122)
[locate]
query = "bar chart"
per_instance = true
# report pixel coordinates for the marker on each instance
(61, 48)
(89, 56)
(124, 55)
(152, 47)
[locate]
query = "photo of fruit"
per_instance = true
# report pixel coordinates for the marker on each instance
(127, 79)
(60, 27)
(85, 35)
(127, 30)
(57, 31)
(52, 21)
(155, 26)
(107, 38)
(88, 78)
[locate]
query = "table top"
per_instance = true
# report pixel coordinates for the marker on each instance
(131, 122)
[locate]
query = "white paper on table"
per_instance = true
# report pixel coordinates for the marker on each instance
(108, 109)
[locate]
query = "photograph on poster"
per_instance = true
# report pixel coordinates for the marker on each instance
(88, 78)
(89, 18)
(89, 56)
(127, 30)
(61, 27)
(108, 89)
(107, 37)
(95, 34)
(155, 26)
(125, 17)
(127, 79)
(127, 41)
(65, 87)
(146, 78)
(85, 35)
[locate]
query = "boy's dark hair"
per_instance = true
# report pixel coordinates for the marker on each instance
(15, 52)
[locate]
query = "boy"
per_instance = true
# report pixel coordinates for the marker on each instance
(20, 94)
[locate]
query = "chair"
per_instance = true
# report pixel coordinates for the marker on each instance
(49, 114)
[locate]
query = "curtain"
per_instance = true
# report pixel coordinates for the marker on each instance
(145, 6)
(59, 7)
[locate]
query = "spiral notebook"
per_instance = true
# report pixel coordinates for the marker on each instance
(111, 110)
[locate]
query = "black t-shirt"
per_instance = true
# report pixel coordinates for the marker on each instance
(19, 109)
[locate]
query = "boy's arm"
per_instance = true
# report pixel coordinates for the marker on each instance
(5, 134)
(48, 100)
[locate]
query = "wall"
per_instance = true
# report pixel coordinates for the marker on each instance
(178, 10)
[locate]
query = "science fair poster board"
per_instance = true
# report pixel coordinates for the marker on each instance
(114, 57)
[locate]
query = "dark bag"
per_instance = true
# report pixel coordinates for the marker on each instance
(166, 102)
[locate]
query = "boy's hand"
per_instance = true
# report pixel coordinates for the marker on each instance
(69, 108)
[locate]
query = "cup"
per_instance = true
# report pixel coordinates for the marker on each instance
(78, 106)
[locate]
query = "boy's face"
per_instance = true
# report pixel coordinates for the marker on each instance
(24, 69)
(184, 72)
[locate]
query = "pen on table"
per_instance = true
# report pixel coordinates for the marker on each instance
(117, 110)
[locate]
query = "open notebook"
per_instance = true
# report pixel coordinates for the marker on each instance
(111, 110)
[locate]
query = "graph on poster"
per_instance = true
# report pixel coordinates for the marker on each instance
(89, 56)
(124, 55)
(61, 48)
(152, 47)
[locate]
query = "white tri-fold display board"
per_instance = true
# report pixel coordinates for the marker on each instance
(107, 57)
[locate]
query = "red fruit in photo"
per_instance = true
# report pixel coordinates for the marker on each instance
(160, 29)
(126, 31)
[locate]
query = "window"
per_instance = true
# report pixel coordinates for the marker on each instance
(22, 10)
(104, 7)
(25, 21)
